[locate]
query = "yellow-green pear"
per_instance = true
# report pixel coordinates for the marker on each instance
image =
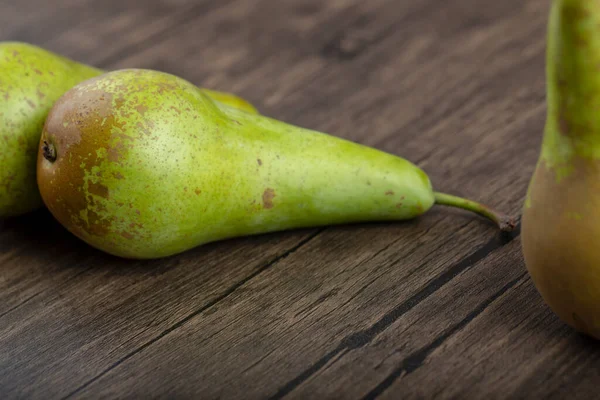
(31, 79)
(142, 164)
(561, 214)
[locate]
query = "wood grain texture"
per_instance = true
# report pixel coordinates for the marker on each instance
(437, 307)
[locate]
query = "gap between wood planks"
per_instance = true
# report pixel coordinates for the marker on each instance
(414, 361)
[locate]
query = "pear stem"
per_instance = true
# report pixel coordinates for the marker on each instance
(504, 222)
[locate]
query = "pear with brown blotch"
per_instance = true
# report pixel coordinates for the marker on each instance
(142, 164)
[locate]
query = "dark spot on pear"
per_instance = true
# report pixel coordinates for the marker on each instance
(98, 190)
(127, 235)
(267, 198)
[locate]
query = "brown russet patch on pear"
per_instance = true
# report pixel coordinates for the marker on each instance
(135, 227)
(162, 87)
(141, 108)
(146, 127)
(389, 193)
(118, 149)
(267, 198)
(127, 235)
(83, 112)
(41, 95)
(118, 175)
(198, 191)
(96, 226)
(98, 189)
(259, 161)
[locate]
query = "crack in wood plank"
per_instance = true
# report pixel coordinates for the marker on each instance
(202, 309)
(416, 359)
(13, 308)
(362, 338)
(17, 306)
(376, 277)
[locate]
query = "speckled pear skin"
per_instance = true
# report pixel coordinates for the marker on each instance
(31, 80)
(561, 214)
(141, 164)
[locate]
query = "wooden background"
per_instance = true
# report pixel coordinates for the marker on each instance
(438, 307)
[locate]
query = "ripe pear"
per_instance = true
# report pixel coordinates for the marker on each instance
(31, 80)
(141, 164)
(561, 214)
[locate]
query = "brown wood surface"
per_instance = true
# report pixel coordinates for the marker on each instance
(437, 307)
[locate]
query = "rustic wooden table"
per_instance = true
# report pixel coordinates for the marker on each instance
(438, 307)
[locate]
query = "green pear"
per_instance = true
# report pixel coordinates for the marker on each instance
(31, 79)
(561, 214)
(141, 164)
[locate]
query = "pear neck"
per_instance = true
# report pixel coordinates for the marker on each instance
(573, 67)
(573, 80)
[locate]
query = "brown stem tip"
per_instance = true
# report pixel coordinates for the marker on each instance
(504, 222)
(49, 151)
(507, 224)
